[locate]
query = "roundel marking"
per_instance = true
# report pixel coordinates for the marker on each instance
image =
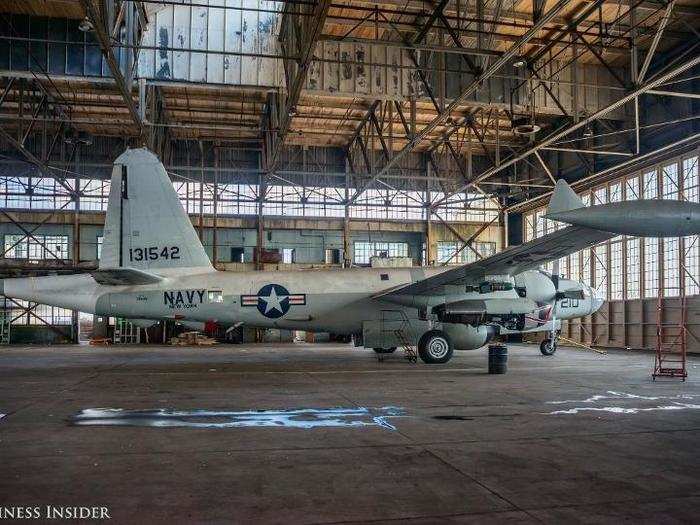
(273, 300)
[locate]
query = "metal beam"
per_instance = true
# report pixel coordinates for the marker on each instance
(437, 12)
(545, 167)
(588, 151)
(93, 12)
(655, 43)
(310, 31)
(43, 168)
(553, 137)
(442, 116)
(680, 94)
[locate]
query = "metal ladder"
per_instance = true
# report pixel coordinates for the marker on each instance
(401, 334)
(671, 337)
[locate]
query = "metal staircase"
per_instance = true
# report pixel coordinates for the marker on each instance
(671, 336)
(402, 334)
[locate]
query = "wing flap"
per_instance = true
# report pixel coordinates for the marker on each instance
(124, 277)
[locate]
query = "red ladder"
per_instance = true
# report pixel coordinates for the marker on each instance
(671, 337)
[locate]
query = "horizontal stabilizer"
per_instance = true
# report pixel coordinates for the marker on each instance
(124, 277)
(563, 199)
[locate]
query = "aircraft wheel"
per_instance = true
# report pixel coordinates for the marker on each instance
(385, 350)
(548, 347)
(435, 347)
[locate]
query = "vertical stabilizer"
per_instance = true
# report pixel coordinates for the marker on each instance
(146, 226)
(563, 199)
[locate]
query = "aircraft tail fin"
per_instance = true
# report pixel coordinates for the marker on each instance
(563, 199)
(146, 226)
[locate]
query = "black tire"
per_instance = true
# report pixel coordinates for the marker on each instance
(435, 347)
(385, 350)
(547, 347)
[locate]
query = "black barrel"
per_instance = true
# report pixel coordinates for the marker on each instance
(498, 359)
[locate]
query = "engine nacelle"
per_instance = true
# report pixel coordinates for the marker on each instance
(466, 337)
(538, 286)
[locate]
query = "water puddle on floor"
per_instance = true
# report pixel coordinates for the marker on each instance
(304, 418)
(670, 403)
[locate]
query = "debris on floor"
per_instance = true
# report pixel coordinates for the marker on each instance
(192, 339)
(100, 341)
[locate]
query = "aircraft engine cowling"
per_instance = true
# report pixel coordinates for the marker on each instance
(466, 337)
(538, 286)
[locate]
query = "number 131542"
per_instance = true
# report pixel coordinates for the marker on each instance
(153, 253)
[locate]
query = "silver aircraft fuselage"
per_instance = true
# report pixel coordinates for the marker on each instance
(332, 300)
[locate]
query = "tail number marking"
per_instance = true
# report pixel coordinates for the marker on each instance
(153, 253)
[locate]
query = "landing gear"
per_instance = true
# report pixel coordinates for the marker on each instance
(548, 346)
(435, 347)
(385, 350)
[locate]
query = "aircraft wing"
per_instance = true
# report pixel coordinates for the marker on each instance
(124, 277)
(511, 261)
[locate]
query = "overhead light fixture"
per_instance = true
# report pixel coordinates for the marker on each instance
(86, 25)
(524, 126)
(587, 130)
(519, 62)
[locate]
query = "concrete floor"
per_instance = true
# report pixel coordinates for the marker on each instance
(469, 447)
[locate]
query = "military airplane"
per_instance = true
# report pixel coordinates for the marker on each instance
(154, 267)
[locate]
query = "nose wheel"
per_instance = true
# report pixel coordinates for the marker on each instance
(549, 346)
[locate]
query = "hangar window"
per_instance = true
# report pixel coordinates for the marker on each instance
(586, 265)
(615, 274)
(632, 188)
(600, 196)
(574, 266)
(41, 314)
(632, 268)
(669, 182)
(35, 193)
(671, 267)
(363, 251)
(446, 251)
(616, 192)
(690, 179)
(37, 247)
(691, 264)
(651, 267)
(650, 188)
(94, 194)
(600, 262)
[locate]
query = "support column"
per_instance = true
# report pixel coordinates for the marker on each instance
(347, 258)
(215, 222)
(260, 242)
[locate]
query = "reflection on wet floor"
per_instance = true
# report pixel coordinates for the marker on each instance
(304, 418)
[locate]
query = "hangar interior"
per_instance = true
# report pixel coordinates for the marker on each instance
(309, 134)
(312, 134)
